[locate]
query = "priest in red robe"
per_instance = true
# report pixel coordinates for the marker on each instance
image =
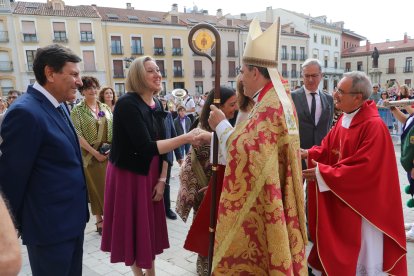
(355, 211)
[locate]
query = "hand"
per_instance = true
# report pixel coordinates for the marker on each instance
(203, 190)
(203, 138)
(191, 135)
(100, 157)
(303, 154)
(216, 116)
(310, 174)
(158, 192)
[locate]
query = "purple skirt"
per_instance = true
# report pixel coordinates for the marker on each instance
(135, 227)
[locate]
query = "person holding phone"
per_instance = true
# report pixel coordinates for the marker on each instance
(93, 124)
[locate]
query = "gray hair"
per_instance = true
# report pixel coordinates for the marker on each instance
(312, 61)
(360, 83)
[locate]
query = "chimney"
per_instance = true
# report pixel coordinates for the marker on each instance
(219, 13)
(368, 46)
(174, 7)
(129, 7)
(405, 38)
(243, 16)
(269, 14)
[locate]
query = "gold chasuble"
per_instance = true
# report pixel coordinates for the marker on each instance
(261, 215)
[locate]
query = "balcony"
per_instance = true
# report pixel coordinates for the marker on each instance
(6, 66)
(177, 51)
(119, 74)
(303, 57)
(179, 73)
(408, 69)
(294, 74)
(117, 50)
(285, 74)
(159, 51)
(30, 38)
(198, 73)
(60, 37)
(163, 73)
(293, 56)
(4, 36)
(86, 37)
(136, 50)
(391, 70)
(232, 53)
(30, 67)
(284, 56)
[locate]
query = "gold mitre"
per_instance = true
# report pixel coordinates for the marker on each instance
(262, 47)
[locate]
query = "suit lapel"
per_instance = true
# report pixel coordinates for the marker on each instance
(48, 107)
(304, 103)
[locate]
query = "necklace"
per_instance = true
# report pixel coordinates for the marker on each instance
(95, 111)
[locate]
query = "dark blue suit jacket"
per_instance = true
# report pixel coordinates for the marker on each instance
(170, 132)
(41, 172)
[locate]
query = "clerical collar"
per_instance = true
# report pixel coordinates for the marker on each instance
(256, 95)
(354, 111)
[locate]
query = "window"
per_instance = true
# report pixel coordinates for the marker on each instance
(199, 87)
(198, 68)
(177, 50)
(4, 35)
(408, 65)
(30, 55)
(232, 69)
(336, 63)
(336, 42)
(116, 47)
(284, 53)
(407, 82)
(359, 66)
(348, 67)
(178, 68)
(325, 62)
(5, 85)
(174, 19)
(302, 53)
(391, 66)
(118, 69)
(294, 72)
(231, 49)
(88, 61)
(6, 65)
(285, 72)
(86, 32)
(29, 31)
(59, 32)
(120, 88)
(315, 38)
(159, 47)
(293, 54)
(136, 46)
(160, 64)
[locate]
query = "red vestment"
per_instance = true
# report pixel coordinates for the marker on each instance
(358, 165)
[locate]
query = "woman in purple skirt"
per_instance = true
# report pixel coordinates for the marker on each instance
(135, 229)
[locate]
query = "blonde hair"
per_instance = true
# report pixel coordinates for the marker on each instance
(135, 81)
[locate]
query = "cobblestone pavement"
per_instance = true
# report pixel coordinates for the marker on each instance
(176, 260)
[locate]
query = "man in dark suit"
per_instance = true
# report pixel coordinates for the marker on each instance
(41, 170)
(182, 125)
(315, 108)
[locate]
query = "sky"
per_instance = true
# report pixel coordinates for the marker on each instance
(377, 22)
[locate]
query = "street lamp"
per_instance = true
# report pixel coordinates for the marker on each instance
(128, 61)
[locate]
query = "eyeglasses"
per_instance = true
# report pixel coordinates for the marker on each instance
(341, 92)
(314, 76)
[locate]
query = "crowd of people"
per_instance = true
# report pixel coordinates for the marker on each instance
(273, 145)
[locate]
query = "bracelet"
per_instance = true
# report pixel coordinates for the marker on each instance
(164, 179)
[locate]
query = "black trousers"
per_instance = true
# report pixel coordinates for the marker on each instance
(167, 200)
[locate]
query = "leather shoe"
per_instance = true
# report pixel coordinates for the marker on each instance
(170, 214)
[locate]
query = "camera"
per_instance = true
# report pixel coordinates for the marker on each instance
(104, 149)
